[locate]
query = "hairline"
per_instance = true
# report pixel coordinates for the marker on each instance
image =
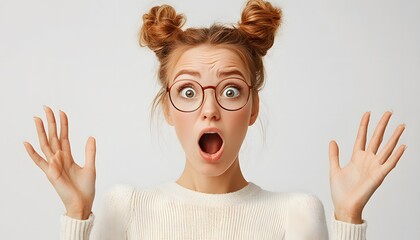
(179, 50)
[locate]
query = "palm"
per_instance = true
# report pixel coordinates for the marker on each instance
(353, 185)
(74, 185)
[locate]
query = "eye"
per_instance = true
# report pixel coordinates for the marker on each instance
(231, 92)
(188, 92)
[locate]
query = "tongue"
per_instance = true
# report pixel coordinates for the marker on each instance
(210, 143)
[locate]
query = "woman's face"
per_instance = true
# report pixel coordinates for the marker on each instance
(210, 136)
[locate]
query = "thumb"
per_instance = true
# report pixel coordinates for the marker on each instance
(90, 153)
(333, 155)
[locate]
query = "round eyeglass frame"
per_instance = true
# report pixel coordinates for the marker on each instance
(168, 90)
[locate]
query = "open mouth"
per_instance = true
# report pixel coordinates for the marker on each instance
(210, 143)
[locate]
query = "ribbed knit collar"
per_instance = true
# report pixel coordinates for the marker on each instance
(209, 199)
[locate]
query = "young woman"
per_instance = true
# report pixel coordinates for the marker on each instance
(210, 81)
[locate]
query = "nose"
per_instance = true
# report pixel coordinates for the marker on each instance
(210, 108)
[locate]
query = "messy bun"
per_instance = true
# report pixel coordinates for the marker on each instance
(160, 27)
(260, 21)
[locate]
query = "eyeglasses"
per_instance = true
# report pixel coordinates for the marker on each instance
(188, 95)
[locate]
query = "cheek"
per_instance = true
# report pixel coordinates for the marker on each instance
(238, 122)
(182, 123)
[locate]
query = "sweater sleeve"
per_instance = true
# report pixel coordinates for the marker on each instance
(111, 223)
(306, 221)
(347, 231)
(74, 229)
(305, 218)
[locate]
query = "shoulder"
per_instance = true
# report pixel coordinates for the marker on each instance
(124, 196)
(120, 190)
(292, 200)
(119, 193)
(306, 216)
(118, 199)
(299, 200)
(305, 206)
(303, 212)
(116, 211)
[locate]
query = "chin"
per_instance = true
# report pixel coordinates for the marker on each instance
(212, 169)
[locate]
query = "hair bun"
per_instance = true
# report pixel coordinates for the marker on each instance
(160, 27)
(260, 21)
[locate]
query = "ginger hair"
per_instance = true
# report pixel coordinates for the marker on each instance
(251, 38)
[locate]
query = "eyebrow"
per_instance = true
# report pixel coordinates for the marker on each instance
(189, 72)
(230, 73)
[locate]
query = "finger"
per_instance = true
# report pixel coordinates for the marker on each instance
(52, 130)
(379, 132)
(392, 142)
(90, 153)
(393, 160)
(38, 160)
(42, 137)
(333, 156)
(64, 132)
(360, 143)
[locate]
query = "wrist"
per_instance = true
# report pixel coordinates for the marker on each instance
(78, 209)
(349, 218)
(79, 214)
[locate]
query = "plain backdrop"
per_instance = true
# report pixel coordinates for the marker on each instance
(331, 62)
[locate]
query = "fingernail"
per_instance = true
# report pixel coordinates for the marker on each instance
(392, 111)
(405, 147)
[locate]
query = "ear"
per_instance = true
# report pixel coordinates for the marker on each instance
(255, 108)
(166, 111)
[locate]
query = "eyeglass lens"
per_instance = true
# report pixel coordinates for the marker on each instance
(188, 95)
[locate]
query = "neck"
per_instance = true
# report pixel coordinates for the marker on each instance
(230, 181)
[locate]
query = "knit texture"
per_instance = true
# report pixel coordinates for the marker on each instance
(170, 211)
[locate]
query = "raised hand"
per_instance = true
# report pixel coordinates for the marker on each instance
(75, 185)
(353, 185)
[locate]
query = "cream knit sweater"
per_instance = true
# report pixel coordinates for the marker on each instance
(171, 211)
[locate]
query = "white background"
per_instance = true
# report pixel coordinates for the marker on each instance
(331, 62)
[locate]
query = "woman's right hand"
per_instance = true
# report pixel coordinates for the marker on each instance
(75, 185)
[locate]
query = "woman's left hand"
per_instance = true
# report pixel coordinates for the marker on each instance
(353, 185)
